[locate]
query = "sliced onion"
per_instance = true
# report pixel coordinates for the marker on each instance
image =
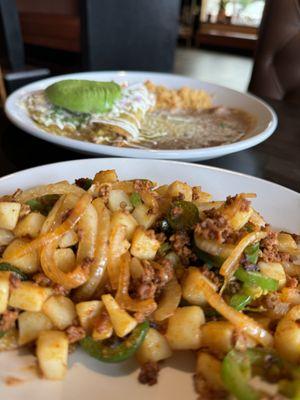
(240, 320)
(122, 297)
(49, 237)
(213, 247)
(68, 280)
(231, 263)
(87, 229)
(118, 245)
(52, 217)
(63, 187)
(169, 301)
(98, 266)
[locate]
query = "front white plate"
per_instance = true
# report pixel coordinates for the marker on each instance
(87, 378)
(266, 119)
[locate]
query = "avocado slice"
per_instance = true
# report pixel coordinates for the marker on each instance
(84, 96)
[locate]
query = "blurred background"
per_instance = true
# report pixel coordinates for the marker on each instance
(212, 40)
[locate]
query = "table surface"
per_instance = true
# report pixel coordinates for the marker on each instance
(277, 159)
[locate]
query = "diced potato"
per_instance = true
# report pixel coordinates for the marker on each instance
(183, 332)
(105, 332)
(143, 245)
(192, 287)
(65, 259)
(119, 200)
(286, 242)
(199, 196)
(178, 188)
(144, 217)
(6, 237)
(209, 368)
(217, 336)
(60, 310)
(31, 324)
(52, 354)
(154, 348)
(68, 239)
(9, 214)
(240, 218)
(109, 176)
(121, 321)
(29, 263)
(87, 311)
(273, 270)
(30, 225)
(4, 290)
(287, 336)
(257, 220)
(234, 212)
(29, 296)
(126, 220)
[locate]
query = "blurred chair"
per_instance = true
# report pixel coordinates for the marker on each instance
(14, 70)
(276, 72)
(129, 34)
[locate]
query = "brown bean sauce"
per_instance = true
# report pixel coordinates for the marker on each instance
(189, 130)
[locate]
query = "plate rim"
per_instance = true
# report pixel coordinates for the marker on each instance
(93, 148)
(128, 159)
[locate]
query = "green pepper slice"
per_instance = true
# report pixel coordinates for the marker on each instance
(252, 252)
(183, 215)
(8, 267)
(120, 352)
(84, 183)
(239, 301)
(256, 279)
(43, 204)
(214, 261)
(235, 372)
(135, 199)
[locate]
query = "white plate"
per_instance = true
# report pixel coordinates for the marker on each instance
(87, 378)
(266, 119)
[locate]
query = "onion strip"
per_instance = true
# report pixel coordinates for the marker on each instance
(122, 297)
(88, 227)
(231, 263)
(118, 245)
(98, 267)
(52, 217)
(169, 301)
(212, 247)
(240, 320)
(62, 187)
(49, 237)
(68, 280)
